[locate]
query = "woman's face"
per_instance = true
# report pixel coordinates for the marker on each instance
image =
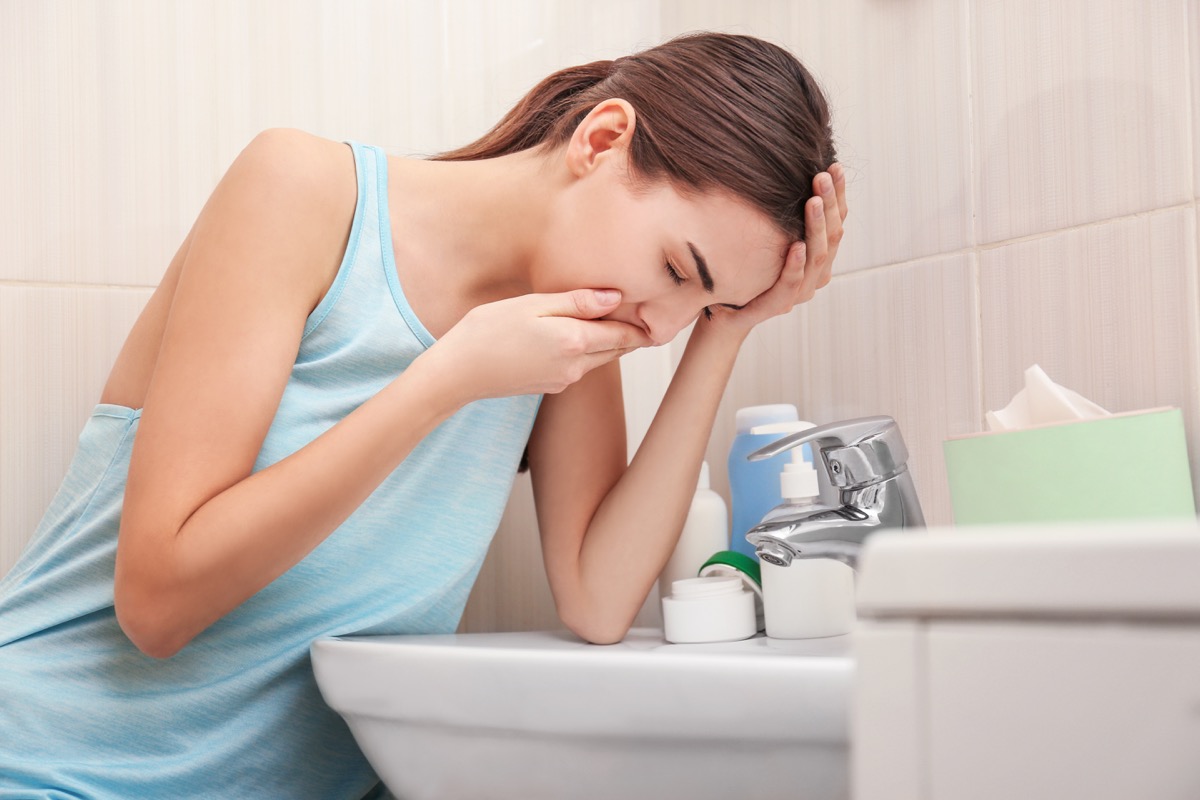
(670, 255)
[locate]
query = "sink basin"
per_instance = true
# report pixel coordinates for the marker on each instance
(546, 715)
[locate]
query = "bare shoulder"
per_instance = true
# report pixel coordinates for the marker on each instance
(306, 156)
(322, 170)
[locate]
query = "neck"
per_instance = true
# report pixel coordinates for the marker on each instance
(478, 221)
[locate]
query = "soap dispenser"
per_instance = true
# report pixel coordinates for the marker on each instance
(809, 598)
(753, 484)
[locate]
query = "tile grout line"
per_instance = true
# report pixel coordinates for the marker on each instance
(1191, 88)
(979, 249)
(975, 270)
(1193, 269)
(72, 285)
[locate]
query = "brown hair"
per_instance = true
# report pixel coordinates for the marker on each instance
(714, 111)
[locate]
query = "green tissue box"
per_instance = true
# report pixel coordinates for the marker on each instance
(1127, 466)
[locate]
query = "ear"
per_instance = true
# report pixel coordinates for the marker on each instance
(606, 132)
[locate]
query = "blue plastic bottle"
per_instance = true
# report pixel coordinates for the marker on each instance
(754, 485)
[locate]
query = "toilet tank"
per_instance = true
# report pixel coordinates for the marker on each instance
(1028, 663)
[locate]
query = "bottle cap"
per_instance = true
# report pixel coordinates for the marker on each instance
(798, 481)
(746, 418)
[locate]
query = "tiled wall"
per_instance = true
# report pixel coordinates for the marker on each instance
(1023, 188)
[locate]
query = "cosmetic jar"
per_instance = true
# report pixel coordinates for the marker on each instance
(713, 609)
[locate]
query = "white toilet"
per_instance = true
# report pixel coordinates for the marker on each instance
(545, 715)
(1038, 663)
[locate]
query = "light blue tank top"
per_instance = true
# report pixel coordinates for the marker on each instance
(237, 712)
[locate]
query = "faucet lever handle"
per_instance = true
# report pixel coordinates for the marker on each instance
(874, 449)
(836, 434)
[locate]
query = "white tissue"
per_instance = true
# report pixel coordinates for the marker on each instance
(1042, 402)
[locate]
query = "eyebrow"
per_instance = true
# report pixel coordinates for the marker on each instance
(702, 268)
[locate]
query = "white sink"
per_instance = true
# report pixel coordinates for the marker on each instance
(547, 715)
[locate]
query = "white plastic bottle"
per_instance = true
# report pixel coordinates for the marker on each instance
(809, 598)
(705, 531)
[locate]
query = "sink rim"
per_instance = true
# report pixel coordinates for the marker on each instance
(554, 683)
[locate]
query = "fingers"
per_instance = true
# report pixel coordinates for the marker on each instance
(585, 305)
(835, 216)
(581, 363)
(826, 211)
(578, 303)
(605, 335)
(826, 187)
(593, 360)
(816, 268)
(784, 294)
(839, 182)
(794, 275)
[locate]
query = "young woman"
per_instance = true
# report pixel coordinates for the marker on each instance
(335, 382)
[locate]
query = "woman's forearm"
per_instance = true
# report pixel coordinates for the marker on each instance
(636, 527)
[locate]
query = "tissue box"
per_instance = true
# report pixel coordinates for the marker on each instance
(1125, 466)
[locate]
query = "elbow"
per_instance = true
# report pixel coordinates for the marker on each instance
(594, 629)
(144, 623)
(602, 638)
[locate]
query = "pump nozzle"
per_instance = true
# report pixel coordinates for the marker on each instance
(798, 480)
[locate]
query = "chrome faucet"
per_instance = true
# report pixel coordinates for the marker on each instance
(864, 485)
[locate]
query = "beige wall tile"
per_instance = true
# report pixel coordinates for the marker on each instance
(1081, 111)
(57, 346)
(108, 152)
(900, 341)
(1108, 310)
(519, 44)
(896, 77)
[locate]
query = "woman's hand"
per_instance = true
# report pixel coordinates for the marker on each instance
(808, 265)
(532, 344)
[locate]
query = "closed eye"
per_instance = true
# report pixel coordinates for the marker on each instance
(708, 309)
(675, 276)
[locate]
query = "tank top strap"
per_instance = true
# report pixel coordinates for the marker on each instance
(368, 269)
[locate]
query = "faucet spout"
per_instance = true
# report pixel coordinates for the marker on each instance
(822, 532)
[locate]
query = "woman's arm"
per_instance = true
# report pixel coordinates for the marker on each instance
(199, 533)
(608, 530)
(607, 533)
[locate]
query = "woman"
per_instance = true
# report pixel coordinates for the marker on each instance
(335, 381)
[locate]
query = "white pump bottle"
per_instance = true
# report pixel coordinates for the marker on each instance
(809, 598)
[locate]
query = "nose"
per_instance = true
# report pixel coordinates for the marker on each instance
(662, 324)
